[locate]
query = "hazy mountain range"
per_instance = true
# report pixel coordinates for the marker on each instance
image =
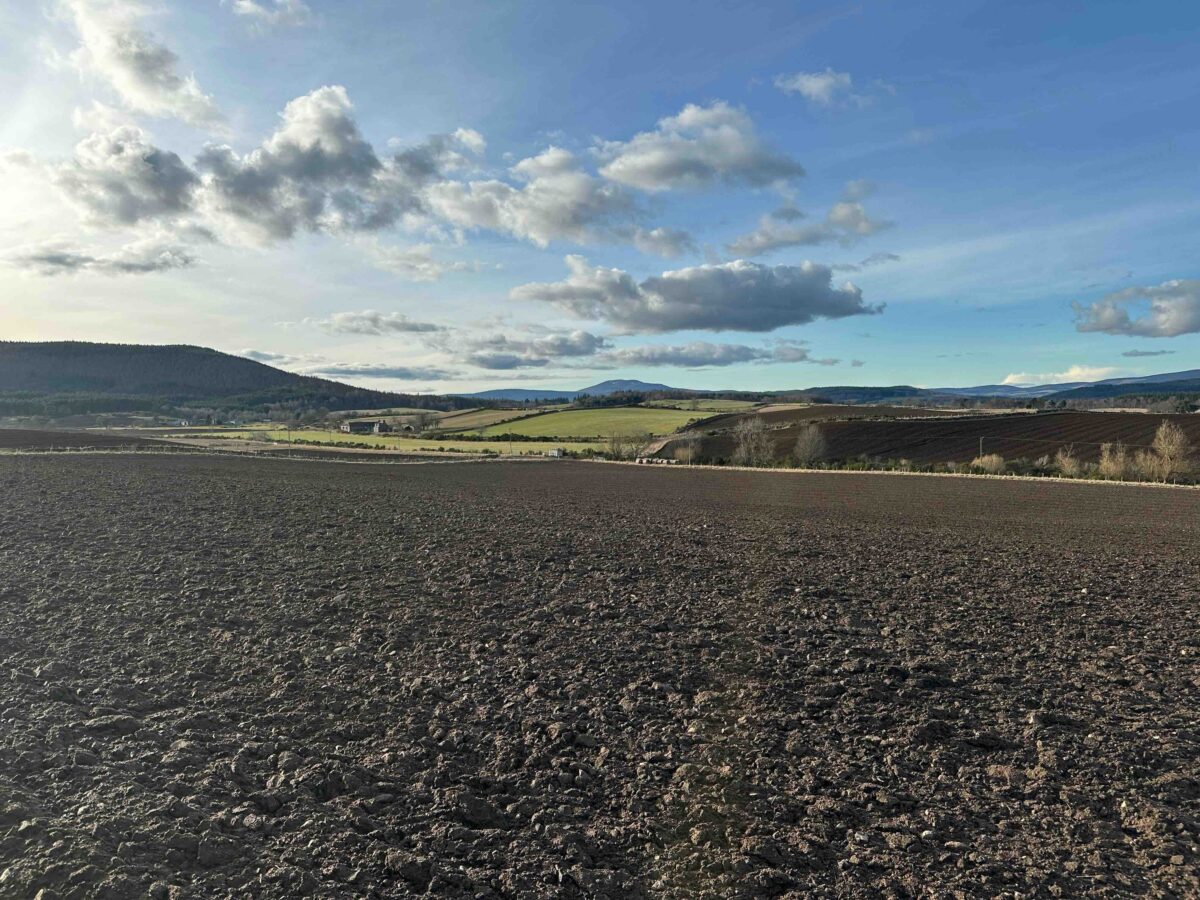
(1111, 387)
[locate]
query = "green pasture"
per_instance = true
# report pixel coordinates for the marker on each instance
(596, 423)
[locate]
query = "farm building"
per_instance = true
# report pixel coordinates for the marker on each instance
(366, 426)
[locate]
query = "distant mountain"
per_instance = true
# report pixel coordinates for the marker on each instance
(78, 377)
(1167, 382)
(1138, 388)
(1170, 382)
(1188, 375)
(603, 389)
(1009, 390)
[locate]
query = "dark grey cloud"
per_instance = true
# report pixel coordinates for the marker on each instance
(1165, 310)
(141, 258)
(736, 296)
(1139, 354)
(701, 147)
(371, 370)
(696, 354)
(704, 354)
(120, 178)
(503, 361)
(506, 352)
(370, 321)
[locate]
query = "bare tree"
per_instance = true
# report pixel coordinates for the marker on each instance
(688, 448)
(1114, 461)
(1067, 462)
(625, 445)
(424, 421)
(1173, 449)
(1151, 466)
(810, 446)
(752, 445)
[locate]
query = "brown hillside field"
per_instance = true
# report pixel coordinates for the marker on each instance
(957, 438)
(787, 413)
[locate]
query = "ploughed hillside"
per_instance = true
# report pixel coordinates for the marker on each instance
(56, 378)
(958, 438)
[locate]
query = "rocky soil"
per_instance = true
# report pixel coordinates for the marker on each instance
(223, 677)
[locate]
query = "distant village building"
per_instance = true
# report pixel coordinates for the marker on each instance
(556, 453)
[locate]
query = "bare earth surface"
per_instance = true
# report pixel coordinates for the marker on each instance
(258, 678)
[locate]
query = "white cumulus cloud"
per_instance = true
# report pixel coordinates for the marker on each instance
(554, 199)
(700, 147)
(1165, 310)
(142, 70)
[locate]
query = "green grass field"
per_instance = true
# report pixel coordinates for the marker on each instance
(596, 423)
(395, 444)
(702, 405)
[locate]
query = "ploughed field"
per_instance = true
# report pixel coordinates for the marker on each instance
(228, 677)
(32, 439)
(957, 438)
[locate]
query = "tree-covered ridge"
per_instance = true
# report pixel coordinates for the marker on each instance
(77, 376)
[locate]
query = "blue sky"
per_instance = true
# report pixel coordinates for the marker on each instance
(461, 195)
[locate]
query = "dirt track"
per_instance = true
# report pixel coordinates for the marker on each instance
(236, 678)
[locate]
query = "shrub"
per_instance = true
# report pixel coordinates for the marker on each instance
(991, 463)
(810, 446)
(1067, 463)
(752, 444)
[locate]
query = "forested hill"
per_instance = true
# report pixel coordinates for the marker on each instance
(87, 377)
